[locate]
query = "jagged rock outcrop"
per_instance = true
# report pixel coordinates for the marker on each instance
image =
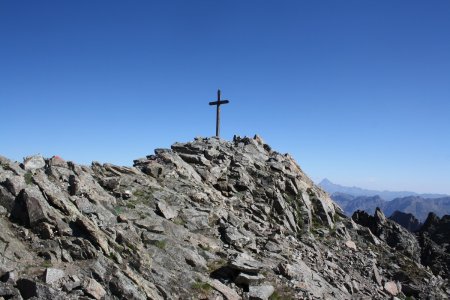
(390, 232)
(434, 239)
(429, 245)
(208, 219)
(438, 229)
(408, 221)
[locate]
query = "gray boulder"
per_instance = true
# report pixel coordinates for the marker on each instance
(33, 162)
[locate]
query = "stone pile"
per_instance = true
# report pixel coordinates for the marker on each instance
(208, 219)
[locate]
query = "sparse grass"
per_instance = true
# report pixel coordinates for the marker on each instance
(132, 247)
(144, 196)
(316, 223)
(118, 248)
(290, 199)
(205, 247)
(202, 287)
(179, 221)
(337, 218)
(118, 210)
(282, 293)
(275, 296)
(47, 264)
(161, 244)
(131, 205)
(216, 264)
(333, 230)
(28, 178)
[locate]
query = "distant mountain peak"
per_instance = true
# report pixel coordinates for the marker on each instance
(325, 181)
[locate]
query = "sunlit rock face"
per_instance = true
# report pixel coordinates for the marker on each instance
(207, 219)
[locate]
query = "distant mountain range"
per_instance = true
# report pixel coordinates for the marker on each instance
(352, 199)
(332, 188)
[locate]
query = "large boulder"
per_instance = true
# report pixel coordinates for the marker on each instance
(33, 162)
(29, 209)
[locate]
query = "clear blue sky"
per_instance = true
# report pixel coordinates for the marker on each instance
(356, 91)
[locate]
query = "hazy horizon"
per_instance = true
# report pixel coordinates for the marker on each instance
(377, 189)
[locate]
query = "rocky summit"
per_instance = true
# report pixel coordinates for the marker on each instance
(208, 219)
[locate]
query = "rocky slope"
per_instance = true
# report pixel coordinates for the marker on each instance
(429, 246)
(208, 219)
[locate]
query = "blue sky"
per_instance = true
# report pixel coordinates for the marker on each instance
(356, 91)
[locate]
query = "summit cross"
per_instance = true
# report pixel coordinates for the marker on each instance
(218, 103)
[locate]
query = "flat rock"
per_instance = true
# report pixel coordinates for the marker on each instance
(245, 263)
(94, 289)
(227, 292)
(272, 247)
(195, 219)
(260, 292)
(151, 225)
(166, 210)
(235, 237)
(53, 275)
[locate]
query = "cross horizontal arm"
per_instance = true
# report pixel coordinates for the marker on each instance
(219, 102)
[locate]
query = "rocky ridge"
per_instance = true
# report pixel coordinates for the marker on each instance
(408, 221)
(208, 219)
(434, 239)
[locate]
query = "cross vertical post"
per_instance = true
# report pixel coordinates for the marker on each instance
(218, 114)
(218, 103)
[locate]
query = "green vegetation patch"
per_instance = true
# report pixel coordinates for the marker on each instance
(282, 293)
(118, 210)
(143, 195)
(179, 221)
(216, 264)
(202, 287)
(47, 264)
(161, 244)
(28, 178)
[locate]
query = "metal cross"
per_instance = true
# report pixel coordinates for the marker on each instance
(218, 103)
